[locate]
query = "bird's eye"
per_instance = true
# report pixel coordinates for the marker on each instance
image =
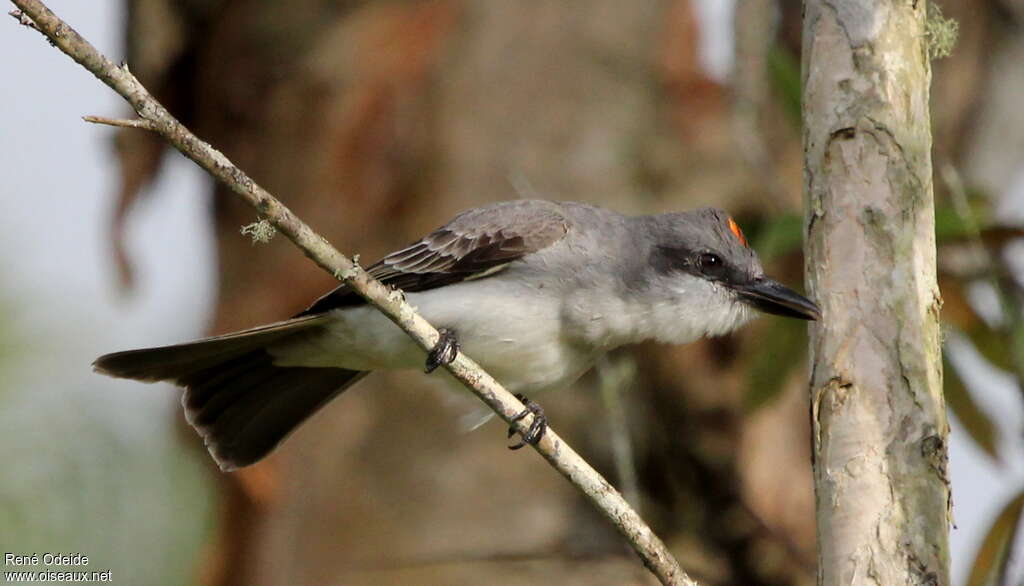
(709, 260)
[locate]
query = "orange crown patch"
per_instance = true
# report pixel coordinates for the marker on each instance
(735, 229)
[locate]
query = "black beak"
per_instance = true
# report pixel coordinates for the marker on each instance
(771, 296)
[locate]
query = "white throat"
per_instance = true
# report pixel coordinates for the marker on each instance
(696, 308)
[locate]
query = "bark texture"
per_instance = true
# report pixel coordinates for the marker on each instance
(878, 417)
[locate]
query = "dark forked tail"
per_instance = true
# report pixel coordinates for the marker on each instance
(237, 399)
(246, 406)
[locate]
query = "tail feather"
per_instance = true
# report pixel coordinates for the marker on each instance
(206, 387)
(239, 401)
(243, 418)
(172, 363)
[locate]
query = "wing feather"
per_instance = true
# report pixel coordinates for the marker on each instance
(475, 244)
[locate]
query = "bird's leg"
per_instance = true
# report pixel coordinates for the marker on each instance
(537, 427)
(444, 351)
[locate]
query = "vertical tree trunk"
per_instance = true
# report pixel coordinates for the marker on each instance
(879, 424)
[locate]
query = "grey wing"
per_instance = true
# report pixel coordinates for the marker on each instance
(475, 244)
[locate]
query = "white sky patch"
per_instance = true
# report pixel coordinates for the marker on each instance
(1010, 208)
(717, 51)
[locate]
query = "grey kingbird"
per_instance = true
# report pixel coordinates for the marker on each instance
(535, 291)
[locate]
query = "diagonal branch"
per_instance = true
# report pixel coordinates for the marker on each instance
(153, 116)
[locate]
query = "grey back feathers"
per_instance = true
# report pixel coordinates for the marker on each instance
(476, 243)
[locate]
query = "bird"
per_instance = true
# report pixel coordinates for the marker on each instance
(535, 291)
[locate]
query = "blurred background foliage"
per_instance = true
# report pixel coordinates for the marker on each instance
(77, 480)
(376, 121)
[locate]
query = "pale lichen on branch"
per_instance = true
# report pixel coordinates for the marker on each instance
(940, 32)
(261, 232)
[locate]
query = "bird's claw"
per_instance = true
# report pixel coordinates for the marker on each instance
(537, 427)
(444, 351)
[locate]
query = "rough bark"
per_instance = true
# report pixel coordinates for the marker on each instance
(878, 418)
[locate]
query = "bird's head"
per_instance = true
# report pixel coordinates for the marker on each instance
(702, 264)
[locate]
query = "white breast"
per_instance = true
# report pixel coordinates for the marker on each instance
(515, 332)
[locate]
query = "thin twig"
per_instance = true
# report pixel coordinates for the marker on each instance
(122, 122)
(391, 302)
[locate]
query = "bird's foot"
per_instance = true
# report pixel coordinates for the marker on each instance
(444, 351)
(537, 427)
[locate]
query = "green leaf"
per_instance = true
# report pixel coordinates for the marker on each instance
(975, 421)
(773, 362)
(991, 563)
(951, 225)
(1016, 358)
(784, 73)
(780, 236)
(994, 345)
